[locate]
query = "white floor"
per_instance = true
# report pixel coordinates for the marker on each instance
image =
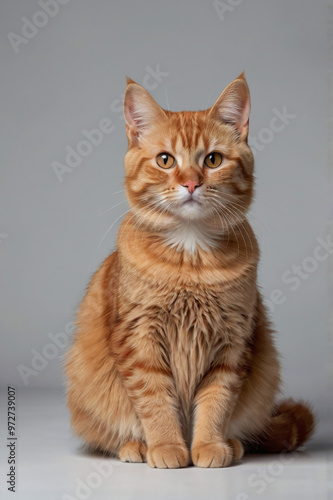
(52, 465)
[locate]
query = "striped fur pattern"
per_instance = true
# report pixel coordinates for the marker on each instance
(173, 360)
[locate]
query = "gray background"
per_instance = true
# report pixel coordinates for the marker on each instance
(71, 74)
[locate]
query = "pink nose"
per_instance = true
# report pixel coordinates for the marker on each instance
(191, 186)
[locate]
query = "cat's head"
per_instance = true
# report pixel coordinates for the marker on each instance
(189, 166)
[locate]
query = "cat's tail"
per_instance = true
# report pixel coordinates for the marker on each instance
(292, 424)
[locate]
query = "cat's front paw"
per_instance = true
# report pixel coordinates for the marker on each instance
(168, 456)
(212, 455)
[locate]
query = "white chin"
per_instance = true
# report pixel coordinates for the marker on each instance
(191, 211)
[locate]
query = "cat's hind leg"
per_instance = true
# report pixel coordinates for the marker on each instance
(237, 449)
(133, 451)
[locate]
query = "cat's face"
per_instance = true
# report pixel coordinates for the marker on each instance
(189, 166)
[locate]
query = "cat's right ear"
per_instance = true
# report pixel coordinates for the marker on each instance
(233, 106)
(140, 110)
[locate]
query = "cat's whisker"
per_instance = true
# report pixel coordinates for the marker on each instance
(167, 99)
(114, 206)
(239, 221)
(243, 210)
(226, 196)
(244, 217)
(228, 225)
(153, 205)
(261, 219)
(137, 223)
(155, 222)
(239, 227)
(236, 209)
(224, 221)
(141, 221)
(135, 214)
(120, 191)
(220, 217)
(107, 232)
(241, 214)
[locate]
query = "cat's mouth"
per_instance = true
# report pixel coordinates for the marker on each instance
(190, 208)
(191, 201)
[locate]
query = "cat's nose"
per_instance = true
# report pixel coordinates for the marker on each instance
(191, 186)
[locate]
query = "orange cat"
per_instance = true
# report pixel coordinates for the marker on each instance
(173, 360)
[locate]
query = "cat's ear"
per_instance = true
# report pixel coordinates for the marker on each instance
(140, 110)
(233, 106)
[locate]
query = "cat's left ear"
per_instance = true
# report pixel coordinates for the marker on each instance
(140, 110)
(233, 106)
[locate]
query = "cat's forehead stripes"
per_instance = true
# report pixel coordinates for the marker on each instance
(189, 131)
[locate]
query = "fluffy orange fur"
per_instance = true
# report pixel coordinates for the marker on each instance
(173, 360)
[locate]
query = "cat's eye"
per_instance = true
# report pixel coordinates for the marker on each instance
(165, 160)
(213, 160)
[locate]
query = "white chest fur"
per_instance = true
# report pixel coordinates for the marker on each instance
(190, 235)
